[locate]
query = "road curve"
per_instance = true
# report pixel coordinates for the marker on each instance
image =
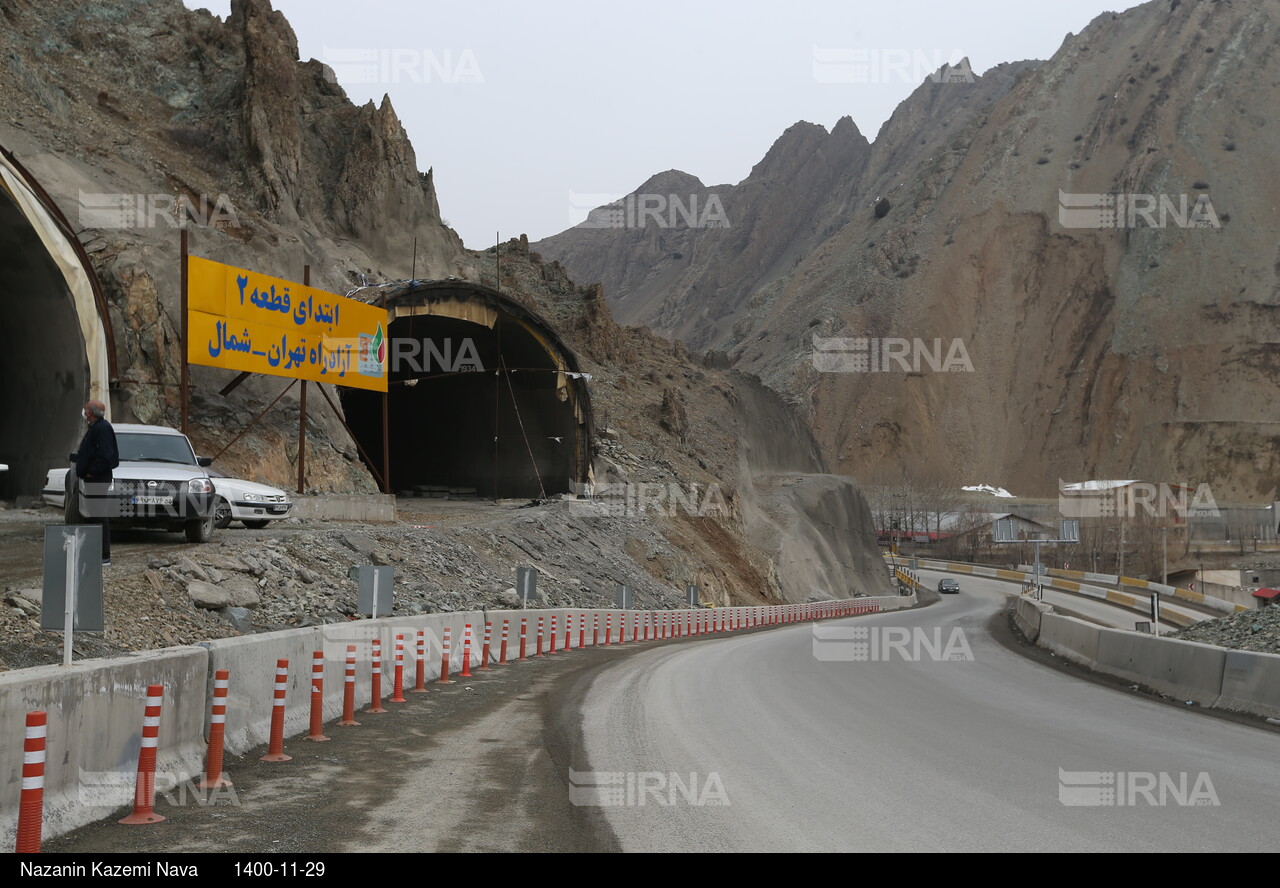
(952, 755)
(1093, 609)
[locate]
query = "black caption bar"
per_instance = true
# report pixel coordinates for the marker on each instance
(180, 867)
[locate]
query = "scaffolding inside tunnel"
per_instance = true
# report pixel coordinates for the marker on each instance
(484, 398)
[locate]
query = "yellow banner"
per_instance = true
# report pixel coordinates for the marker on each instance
(241, 320)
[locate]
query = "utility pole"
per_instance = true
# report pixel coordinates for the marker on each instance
(1120, 554)
(1164, 555)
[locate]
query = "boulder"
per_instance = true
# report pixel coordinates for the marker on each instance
(207, 595)
(191, 569)
(242, 590)
(238, 617)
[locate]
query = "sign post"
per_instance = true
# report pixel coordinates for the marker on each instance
(72, 595)
(526, 584)
(71, 543)
(377, 586)
(1005, 532)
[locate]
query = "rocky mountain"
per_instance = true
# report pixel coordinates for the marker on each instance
(702, 257)
(155, 101)
(1144, 348)
(158, 102)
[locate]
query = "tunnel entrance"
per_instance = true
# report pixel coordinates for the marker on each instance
(484, 399)
(46, 370)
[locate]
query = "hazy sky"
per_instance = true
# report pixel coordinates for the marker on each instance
(533, 113)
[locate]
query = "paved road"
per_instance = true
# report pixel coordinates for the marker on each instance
(810, 754)
(1065, 602)
(960, 755)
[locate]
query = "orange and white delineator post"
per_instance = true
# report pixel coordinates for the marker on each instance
(397, 686)
(317, 698)
(568, 631)
(375, 704)
(420, 667)
(502, 650)
(538, 650)
(595, 630)
(608, 628)
(524, 636)
(466, 652)
(213, 776)
(349, 691)
(31, 805)
(488, 638)
(582, 631)
(275, 751)
(144, 794)
(551, 648)
(444, 678)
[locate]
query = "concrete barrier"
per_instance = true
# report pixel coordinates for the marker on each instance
(1183, 669)
(95, 708)
(1027, 613)
(95, 712)
(371, 509)
(1068, 637)
(251, 661)
(1251, 683)
(1140, 604)
(891, 602)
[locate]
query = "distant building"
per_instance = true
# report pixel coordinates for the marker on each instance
(1267, 597)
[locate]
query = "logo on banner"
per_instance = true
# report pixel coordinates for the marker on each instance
(372, 353)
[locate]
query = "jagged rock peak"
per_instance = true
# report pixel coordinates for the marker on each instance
(671, 182)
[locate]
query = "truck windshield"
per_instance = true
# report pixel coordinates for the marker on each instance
(136, 447)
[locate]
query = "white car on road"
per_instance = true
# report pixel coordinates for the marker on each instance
(254, 505)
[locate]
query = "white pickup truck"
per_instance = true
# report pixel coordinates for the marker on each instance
(159, 483)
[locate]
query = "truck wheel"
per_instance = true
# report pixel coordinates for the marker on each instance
(222, 514)
(71, 499)
(199, 530)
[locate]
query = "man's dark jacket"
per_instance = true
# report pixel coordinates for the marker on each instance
(98, 454)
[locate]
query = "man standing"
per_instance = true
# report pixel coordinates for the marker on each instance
(95, 460)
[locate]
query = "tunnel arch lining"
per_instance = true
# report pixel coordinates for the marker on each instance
(533, 412)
